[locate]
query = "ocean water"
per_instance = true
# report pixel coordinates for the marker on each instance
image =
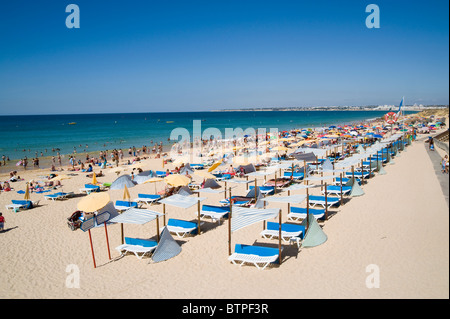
(35, 134)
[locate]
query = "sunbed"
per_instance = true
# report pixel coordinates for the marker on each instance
(345, 181)
(280, 182)
(89, 188)
(265, 190)
(299, 213)
(181, 227)
(237, 201)
(216, 213)
(147, 198)
(21, 204)
(160, 174)
(288, 231)
(259, 256)
(297, 176)
(366, 174)
(320, 201)
(59, 195)
(124, 205)
(137, 246)
(336, 190)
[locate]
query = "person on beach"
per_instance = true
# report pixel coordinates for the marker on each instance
(2, 222)
(444, 165)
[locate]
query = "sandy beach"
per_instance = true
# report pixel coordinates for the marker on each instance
(400, 226)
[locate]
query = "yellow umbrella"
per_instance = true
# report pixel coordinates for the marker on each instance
(177, 180)
(94, 179)
(126, 193)
(93, 202)
(27, 193)
(214, 166)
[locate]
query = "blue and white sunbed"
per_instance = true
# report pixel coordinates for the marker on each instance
(216, 213)
(336, 190)
(89, 188)
(59, 195)
(259, 256)
(288, 231)
(366, 174)
(296, 175)
(147, 198)
(181, 227)
(320, 201)
(299, 213)
(124, 205)
(137, 246)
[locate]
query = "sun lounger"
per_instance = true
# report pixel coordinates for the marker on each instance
(299, 213)
(259, 256)
(320, 201)
(265, 190)
(137, 246)
(161, 174)
(124, 205)
(59, 195)
(222, 176)
(181, 227)
(296, 176)
(288, 231)
(237, 201)
(197, 166)
(147, 198)
(281, 182)
(336, 190)
(366, 174)
(216, 213)
(21, 204)
(345, 181)
(89, 188)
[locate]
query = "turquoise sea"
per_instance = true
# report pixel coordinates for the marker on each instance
(35, 134)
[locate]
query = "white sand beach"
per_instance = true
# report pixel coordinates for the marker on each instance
(400, 225)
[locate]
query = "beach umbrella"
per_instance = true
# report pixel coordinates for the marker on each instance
(27, 193)
(126, 193)
(122, 181)
(154, 180)
(93, 202)
(214, 166)
(94, 179)
(177, 180)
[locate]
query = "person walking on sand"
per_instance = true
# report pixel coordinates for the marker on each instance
(2, 222)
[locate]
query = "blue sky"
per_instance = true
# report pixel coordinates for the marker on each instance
(161, 56)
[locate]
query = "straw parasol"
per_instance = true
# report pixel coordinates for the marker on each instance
(177, 180)
(93, 202)
(154, 180)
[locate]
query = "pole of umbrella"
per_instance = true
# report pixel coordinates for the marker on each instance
(342, 198)
(107, 241)
(157, 229)
(92, 248)
(279, 237)
(326, 202)
(198, 216)
(307, 207)
(229, 225)
(362, 173)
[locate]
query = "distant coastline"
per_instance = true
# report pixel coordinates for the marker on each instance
(417, 108)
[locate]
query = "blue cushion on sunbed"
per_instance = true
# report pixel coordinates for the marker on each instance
(151, 196)
(218, 209)
(302, 210)
(125, 203)
(286, 227)
(140, 242)
(322, 198)
(255, 250)
(183, 224)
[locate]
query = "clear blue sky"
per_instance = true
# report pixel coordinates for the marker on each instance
(156, 56)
